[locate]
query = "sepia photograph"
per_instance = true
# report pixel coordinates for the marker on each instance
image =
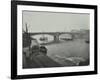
(53, 39)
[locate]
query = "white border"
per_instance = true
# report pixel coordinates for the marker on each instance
(21, 71)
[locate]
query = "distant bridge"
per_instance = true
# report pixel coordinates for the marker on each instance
(55, 34)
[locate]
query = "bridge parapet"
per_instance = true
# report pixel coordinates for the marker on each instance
(50, 33)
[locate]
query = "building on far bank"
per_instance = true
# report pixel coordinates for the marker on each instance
(81, 34)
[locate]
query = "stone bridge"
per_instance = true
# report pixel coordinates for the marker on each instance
(54, 34)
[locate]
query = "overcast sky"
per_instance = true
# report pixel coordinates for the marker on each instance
(54, 22)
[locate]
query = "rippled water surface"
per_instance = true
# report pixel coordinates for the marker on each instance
(77, 48)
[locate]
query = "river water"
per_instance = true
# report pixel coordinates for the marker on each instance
(71, 48)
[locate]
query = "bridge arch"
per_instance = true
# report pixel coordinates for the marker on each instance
(56, 35)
